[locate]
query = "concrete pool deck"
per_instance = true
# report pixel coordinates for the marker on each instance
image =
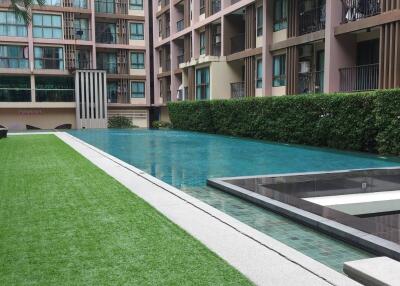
(264, 260)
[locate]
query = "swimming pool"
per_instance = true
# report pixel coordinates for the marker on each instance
(186, 159)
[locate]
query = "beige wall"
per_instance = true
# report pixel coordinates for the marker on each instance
(18, 118)
(222, 75)
(164, 115)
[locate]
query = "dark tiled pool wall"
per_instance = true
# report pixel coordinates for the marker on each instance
(290, 189)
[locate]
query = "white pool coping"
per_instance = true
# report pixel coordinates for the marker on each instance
(264, 260)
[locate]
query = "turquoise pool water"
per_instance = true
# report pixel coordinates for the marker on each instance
(186, 159)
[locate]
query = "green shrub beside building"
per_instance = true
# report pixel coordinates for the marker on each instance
(358, 121)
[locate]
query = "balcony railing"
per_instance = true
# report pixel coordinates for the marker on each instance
(107, 37)
(354, 10)
(14, 63)
(312, 20)
(15, 95)
(237, 90)
(82, 34)
(180, 25)
(83, 64)
(215, 6)
(216, 49)
(55, 95)
(181, 59)
(311, 82)
(237, 43)
(359, 78)
(111, 68)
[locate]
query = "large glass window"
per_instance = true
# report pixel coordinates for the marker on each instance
(107, 62)
(47, 26)
(259, 74)
(202, 43)
(82, 31)
(280, 14)
(80, 4)
(202, 7)
(49, 58)
(136, 4)
(279, 72)
(54, 89)
(136, 31)
(11, 25)
(137, 89)
(105, 6)
(137, 60)
(203, 84)
(15, 57)
(106, 33)
(259, 21)
(15, 88)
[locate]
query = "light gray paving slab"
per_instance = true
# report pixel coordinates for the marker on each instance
(378, 271)
(262, 259)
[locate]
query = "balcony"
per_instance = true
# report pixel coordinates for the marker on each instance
(82, 4)
(311, 82)
(83, 64)
(181, 59)
(237, 90)
(107, 37)
(55, 95)
(216, 49)
(237, 43)
(180, 25)
(312, 20)
(110, 67)
(82, 34)
(14, 63)
(215, 6)
(15, 95)
(359, 78)
(354, 10)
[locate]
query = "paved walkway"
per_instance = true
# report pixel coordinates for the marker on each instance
(262, 259)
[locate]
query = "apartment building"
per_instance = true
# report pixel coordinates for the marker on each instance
(214, 49)
(75, 64)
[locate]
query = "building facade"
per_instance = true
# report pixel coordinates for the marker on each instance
(215, 49)
(76, 63)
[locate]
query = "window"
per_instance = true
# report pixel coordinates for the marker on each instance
(107, 62)
(280, 15)
(79, 4)
(137, 89)
(203, 84)
(136, 31)
(105, 6)
(11, 25)
(279, 72)
(136, 4)
(137, 60)
(202, 43)
(15, 88)
(112, 92)
(106, 33)
(47, 26)
(15, 57)
(82, 29)
(259, 74)
(54, 89)
(259, 21)
(49, 58)
(202, 7)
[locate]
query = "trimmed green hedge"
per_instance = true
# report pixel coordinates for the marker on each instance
(367, 121)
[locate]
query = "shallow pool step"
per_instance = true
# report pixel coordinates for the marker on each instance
(378, 271)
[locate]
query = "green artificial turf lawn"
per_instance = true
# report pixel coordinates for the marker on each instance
(63, 221)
